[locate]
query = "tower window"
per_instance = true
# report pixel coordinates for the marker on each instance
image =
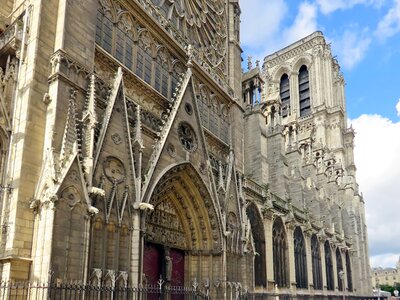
(304, 92)
(285, 95)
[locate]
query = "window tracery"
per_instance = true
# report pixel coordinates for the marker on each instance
(349, 273)
(162, 78)
(329, 267)
(280, 254)
(316, 263)
(120, 35)
(214, 113)
(202, 24)
(257, 230)
(187, 137)
(300, 258)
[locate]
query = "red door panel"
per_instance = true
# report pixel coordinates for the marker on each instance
(178, 271)
(152, 263)
(178, 267)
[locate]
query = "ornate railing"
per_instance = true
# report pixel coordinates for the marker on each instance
(12, 36)
(78, 291)
(275, 296)
(254, 187)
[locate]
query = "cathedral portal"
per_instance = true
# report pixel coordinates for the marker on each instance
(182, 236)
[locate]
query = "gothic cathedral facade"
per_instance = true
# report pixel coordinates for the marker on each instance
(135, 148)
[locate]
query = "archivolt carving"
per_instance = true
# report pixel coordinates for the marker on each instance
(182, 177)
(164, 225)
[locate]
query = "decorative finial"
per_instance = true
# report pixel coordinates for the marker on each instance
(249, 62)
(257, 63)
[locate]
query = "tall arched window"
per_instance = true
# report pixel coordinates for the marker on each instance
(104, 31)
(280, 254)
(161, 80)
(304, 92)
(123, 46)
(348, 272)
(329, 267)
(316, 263)
(285, 95)
(339, 268)
(144, 63)
(257, 230)
(300, 259)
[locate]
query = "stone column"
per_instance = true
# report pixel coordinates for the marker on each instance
(292, 269)
(294, 94)
(269, 252)
(307, 240)
(323, 265)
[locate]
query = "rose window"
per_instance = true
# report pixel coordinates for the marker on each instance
(203, 22)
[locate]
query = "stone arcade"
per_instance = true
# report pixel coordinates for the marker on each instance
(134, 148)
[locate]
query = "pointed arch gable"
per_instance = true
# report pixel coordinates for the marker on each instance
(179, 183)
(284, 69)
(305, 59)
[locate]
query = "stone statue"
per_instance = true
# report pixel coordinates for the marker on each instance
(168, 267)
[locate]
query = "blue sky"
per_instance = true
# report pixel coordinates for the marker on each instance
(365, 37)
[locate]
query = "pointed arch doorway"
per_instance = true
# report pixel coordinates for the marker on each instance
(182, 227)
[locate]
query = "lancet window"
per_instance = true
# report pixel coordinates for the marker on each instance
(304, 92)
(279, 245)
(104, 31)
(329, 267)
(133, 46)
(316, 263)
(214, 113)
(257, 230)
(300, 259)
(162, 78)
(144, 63)
(348, 272)
(339, 270)
(285, 95)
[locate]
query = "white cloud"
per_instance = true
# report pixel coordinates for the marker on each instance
(261, 20)
(390, 24)
(377, 158)
(398, 108)
(384, 260)
(351, 47)
(329, 6)
(262, 29)
(304, 24)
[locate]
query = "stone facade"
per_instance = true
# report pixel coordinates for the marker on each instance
(385, 276)
(134, 148)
